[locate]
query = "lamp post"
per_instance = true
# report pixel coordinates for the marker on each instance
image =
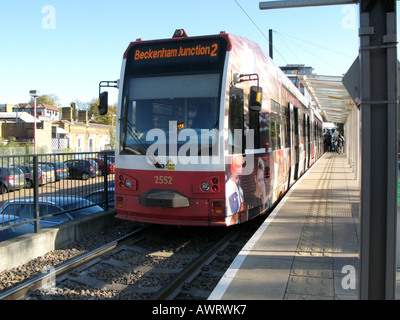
(34, 94)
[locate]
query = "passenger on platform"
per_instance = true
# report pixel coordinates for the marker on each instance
(325, 142)
(328, 140)
(340, 143)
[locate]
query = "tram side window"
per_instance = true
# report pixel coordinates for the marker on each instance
(277, 125)
(301, 128)
(275, 132)
(278, 133)
(286, 120)
(264, 130)
(255, 125)
(315, 132)
(236, 121)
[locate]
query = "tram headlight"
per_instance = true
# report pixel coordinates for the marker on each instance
(128, 183)
(205, 186)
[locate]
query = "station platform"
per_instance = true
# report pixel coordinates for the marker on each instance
(308, 247)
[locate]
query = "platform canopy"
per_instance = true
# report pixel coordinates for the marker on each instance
(330, 95)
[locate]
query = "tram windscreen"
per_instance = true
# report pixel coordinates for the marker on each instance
(170, 112)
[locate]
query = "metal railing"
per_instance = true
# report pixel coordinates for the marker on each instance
(38, 191)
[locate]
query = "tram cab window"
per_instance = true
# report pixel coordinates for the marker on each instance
(156, 106)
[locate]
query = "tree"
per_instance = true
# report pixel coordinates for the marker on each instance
(77, 105)
(74, 111)
(50, 99)
(105, 119)
(340, 127)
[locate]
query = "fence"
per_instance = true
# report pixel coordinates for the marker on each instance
(39, 191)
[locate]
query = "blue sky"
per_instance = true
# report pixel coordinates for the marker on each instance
(66, 48)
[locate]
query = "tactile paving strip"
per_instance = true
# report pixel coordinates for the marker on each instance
(311, 275)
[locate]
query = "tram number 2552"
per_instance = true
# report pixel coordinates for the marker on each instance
(162, 179)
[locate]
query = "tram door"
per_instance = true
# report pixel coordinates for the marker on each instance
(293, 128)
(236, 121)
(296, 142)
(309, 136)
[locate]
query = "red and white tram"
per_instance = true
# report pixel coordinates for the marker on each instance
(210, 131)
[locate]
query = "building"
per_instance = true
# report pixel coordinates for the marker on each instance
(16, 117)
(294, 73)
(82, 135)
(44, 111)
(6, 107)
(56, 131)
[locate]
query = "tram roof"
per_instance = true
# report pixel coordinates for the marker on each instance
(330, 95)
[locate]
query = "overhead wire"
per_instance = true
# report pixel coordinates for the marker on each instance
(314, 44)
(284, 42)
(280, 34)
(317, 56)
(255, 24)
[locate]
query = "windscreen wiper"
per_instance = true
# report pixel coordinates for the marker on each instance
(138, 138)
(143, 147)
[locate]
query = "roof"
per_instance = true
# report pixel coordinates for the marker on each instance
(43, 105)
(330, 95)
(82, 124)
(24, 116)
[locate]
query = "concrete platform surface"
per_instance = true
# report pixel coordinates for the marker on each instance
(307, 249)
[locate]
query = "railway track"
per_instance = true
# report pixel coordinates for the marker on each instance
(153, 263)
(41, 281)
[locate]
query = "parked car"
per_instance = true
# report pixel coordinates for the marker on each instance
(95, 166)
(19, 210)
(11, 178)
(102, 169)
(97, 197)
(15, 231)
(28, 170)
(61, 171)
(83, 169)
(76, 206)
(48, 173)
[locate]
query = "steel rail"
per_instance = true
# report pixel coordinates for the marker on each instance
(36, 283)
(168, 292)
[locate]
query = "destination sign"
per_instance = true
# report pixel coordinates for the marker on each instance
(198, 50)
(177, 56)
